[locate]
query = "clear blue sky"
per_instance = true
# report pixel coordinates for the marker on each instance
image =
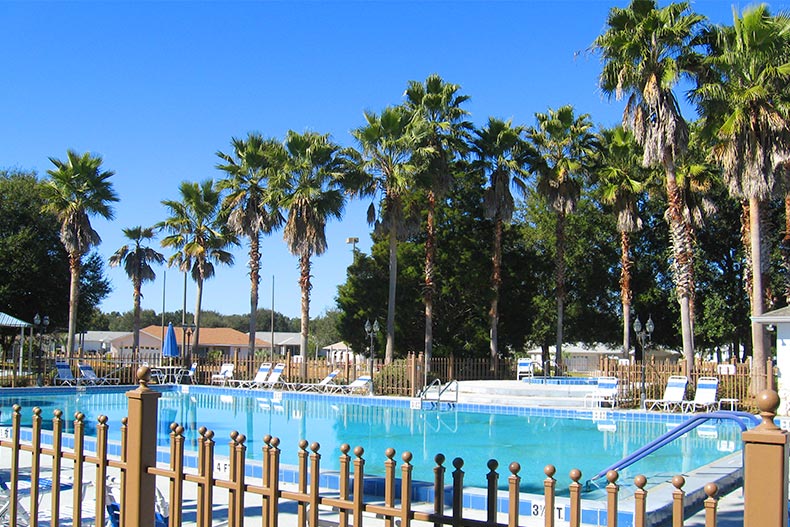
(156, 88)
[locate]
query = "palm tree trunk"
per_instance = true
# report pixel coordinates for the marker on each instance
(75, 265)
(560, 277)
(682, 263)
(759, 355)
(390, 350)
(198, 307)
(304, 284)
(785, 245)
(137, 285)
(430, 256)
(255, 280)
(626, 293)
(496, 282)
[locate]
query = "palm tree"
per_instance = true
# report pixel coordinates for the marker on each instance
(251, 207)
(313, 193)
(620, 181)
(77, 189)
(743, 98)
(438, 104)
(389, 142)
(199, 235)
(137, 259)
(645, 50)
(562, 149)
(498, 150)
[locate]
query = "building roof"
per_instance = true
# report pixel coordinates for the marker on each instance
(104, 336)
(781, 315)
(209, 336)
(281, 338)
(7, 321)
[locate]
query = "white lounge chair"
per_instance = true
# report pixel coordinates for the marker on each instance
(273, 379)
(225, 374)
(260, 377)
(88, 376)
(606, 391)
(525, 368)
(361, 384)
(674, 395)
(705, 396)
(327, 383)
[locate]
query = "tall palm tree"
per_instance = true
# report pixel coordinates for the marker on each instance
(137, 259)
(498, 152)
(199, 236)
(251, 207)
(621, 179)
(563, 147)
(438, 103)
(77, 189)
(389, 142)
(645, 51)
(743, 97)
(313, 193)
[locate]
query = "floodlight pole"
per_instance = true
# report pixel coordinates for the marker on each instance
(644, 338)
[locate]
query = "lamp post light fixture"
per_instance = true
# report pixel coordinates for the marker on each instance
(188, 330)
(644, 338)
(371, 331)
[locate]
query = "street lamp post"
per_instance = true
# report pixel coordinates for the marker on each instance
(644, 338)
(371, 331)
(41, 328)
(188, 342)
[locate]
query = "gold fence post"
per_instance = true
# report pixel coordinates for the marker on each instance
(138, 493)
(765, 470)
(711, 489)
(438, 487)
(576, 498)
(491, 491)
(678, 500)
(549, 485)
(640, 501)
(513, 485)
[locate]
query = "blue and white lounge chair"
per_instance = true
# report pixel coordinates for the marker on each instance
(189, 374)
(63, 374)
(326, 384)
(260, 377)
(361, 384)
(525, 368)
(606, 392)
(88, 376)
(674, 394)
(705, 396)
(273, 380)
(225, 374)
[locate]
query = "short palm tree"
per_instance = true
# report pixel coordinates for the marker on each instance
(389, 142)
(77, 189)
(438, 104)
(199, 236)
(743, 97)
(621, 179)
(498, 151)
(562, 151)
(137, 259)
(251, 206)
(312, 194)
(645, 50)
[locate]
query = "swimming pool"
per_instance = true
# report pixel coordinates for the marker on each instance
(534, 437)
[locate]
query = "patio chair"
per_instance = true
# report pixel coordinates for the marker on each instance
(606, 391)
(674, 394)
(705, 396)
(361, 384)
(525, 368)
(327, 383)
(273, 379)
(190, 374)
(260, 377)
(88, 376)
(63, 374)
(112, 494)
(225, 374)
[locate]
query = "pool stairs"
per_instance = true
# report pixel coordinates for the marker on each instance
(531, 392)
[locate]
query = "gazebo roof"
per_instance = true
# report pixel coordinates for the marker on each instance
(7, 321)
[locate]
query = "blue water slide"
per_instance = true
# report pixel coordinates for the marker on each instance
(741, 418)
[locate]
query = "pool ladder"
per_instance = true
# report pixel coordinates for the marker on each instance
(741, 419)
(435, 392)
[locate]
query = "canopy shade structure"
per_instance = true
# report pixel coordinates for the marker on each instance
(7, 321)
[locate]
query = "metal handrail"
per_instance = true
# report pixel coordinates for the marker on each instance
(437, 387)
(663, 439)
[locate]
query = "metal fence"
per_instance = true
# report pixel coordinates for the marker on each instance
(239, 498)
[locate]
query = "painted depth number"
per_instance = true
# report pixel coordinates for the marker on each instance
(539, 510)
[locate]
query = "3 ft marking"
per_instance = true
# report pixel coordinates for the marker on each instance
(539, 510)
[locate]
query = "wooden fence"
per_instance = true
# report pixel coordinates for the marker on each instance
(239, 498)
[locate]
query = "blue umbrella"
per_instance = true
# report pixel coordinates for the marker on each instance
(170, 347)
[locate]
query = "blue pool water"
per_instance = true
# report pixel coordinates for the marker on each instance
(534, 438)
